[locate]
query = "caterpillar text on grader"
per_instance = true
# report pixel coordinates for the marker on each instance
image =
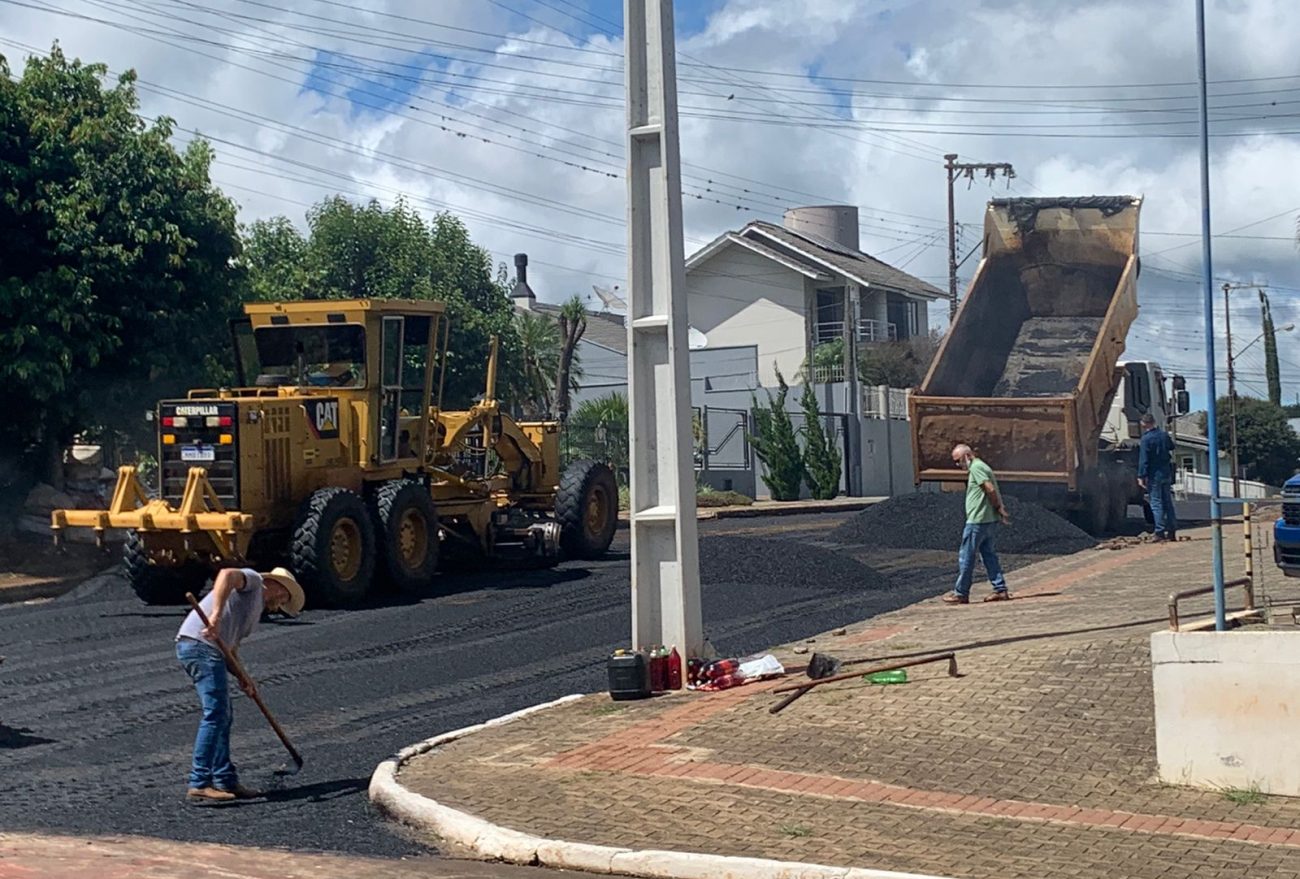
(339, 459)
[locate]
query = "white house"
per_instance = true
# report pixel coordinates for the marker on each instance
(787, 289)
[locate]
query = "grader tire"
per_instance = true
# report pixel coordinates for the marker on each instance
(333, 549)
(586, 507)
(159, 584)
(406, 530)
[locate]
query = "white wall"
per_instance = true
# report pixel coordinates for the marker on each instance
(740, 298)
(1225, 708)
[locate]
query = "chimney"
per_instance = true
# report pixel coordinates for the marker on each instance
(523, 295)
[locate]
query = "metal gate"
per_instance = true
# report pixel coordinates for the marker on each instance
(722, 452)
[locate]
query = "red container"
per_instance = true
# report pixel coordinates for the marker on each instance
(658, 670)
(674, 670)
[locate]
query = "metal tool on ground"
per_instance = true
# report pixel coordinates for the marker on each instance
(820, 665)
(237, 669)
(797, 690)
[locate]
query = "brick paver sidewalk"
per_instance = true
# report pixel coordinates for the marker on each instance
(1038, 762)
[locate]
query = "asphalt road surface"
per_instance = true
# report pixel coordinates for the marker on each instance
(97, 717)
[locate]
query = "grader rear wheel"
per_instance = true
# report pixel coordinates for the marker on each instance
(587, 508)
(407, 533)
(334, 548)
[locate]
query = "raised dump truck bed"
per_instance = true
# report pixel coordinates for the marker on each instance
(1027, 373)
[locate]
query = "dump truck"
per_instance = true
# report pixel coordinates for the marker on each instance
(1029, 372)
(333, 455)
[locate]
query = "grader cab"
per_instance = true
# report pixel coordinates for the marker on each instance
(335, 456)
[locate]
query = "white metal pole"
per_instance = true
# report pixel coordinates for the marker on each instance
(665, 550)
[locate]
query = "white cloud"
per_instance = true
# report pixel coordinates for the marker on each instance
(549, 109)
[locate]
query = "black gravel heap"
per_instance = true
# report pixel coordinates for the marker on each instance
(934, 520)
(763, 561)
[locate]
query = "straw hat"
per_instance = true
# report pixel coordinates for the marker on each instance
(297, 598)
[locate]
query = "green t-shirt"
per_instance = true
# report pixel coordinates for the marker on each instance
(979, 509)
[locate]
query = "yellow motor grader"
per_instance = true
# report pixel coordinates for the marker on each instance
(336, 457)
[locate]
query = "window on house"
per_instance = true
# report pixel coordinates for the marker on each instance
(830, 315)
(1189, 464)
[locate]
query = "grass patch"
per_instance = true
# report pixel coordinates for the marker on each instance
(795, 831)
(723, 499)
(1247, 796)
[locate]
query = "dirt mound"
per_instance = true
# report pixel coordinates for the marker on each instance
(934, 520)
(760, 561)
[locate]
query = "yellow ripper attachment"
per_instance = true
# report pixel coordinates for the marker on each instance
(200, 512)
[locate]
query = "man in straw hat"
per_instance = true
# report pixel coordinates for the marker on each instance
(233, 608)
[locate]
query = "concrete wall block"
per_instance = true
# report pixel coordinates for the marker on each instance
(1226, 705)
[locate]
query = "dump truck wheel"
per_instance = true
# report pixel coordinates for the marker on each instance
(334, 548)
(159, 584)
(406, 525)
(587, 508)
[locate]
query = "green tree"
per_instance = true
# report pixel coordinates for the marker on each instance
(355, 251)
(895, 364)
(539, 354)
(821, 458)
(117, 263)
(598, 429)
(776, 445)
(1272, 369)
(1267, 447)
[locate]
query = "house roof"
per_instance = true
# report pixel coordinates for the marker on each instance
(603, 328)
(816, 256)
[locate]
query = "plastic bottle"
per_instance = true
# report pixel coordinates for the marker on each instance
(897, 676)
(674, 670)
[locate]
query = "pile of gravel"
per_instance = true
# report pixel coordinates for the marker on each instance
(934, 520)
(764, 561)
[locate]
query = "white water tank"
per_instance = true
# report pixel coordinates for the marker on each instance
(837, 222)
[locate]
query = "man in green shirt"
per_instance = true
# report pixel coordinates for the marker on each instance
(984, 512)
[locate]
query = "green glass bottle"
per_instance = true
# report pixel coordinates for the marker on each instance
(897, 676)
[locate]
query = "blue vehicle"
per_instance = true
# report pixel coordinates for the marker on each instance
(1286, 531)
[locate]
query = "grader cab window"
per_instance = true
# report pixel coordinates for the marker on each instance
(311, 356)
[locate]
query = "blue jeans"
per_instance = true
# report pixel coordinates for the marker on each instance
(1161, 492)
(978, 539)
(207, 668)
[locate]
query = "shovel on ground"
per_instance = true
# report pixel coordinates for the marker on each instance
(232, 662)
(820, 665)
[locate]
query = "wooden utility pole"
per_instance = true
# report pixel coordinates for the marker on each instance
(964, 169)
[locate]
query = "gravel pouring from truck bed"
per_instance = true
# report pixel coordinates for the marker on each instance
(934, 520)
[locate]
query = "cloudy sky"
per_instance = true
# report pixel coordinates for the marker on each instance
(509, 113)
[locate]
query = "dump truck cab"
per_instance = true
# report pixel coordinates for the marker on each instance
(333, 455)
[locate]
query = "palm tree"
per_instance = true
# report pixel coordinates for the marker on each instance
(573, 323)
(539, 343)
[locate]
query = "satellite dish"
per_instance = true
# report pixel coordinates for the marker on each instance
(695, 340)
(613, 302)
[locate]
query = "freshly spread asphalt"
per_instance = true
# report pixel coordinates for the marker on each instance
(97, 717)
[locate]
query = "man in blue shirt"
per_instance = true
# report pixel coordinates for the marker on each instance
(1156, 476)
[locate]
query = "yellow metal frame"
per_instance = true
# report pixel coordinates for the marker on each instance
(200, 512)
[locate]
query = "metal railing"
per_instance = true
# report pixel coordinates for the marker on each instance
(871, 330)
(1246, 583)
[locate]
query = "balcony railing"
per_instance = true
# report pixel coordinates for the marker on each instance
(869, 330)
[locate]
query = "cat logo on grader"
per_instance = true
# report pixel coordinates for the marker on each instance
(338, 459)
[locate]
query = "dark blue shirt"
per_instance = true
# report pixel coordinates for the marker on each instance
(1154, 459)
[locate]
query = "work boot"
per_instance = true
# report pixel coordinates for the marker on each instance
(954, 598)
(242, 793)
(208, 795)
(998, 595)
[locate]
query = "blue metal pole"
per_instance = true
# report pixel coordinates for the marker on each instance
(1207, 266)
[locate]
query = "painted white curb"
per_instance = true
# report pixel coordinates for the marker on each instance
(500, 843)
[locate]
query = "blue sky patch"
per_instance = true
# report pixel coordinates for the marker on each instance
(370, 88)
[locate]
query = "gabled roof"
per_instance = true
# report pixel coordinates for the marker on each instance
(738, 238)
(824, 254)
(603, 328)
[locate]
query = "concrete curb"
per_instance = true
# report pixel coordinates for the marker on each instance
(494, 842)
